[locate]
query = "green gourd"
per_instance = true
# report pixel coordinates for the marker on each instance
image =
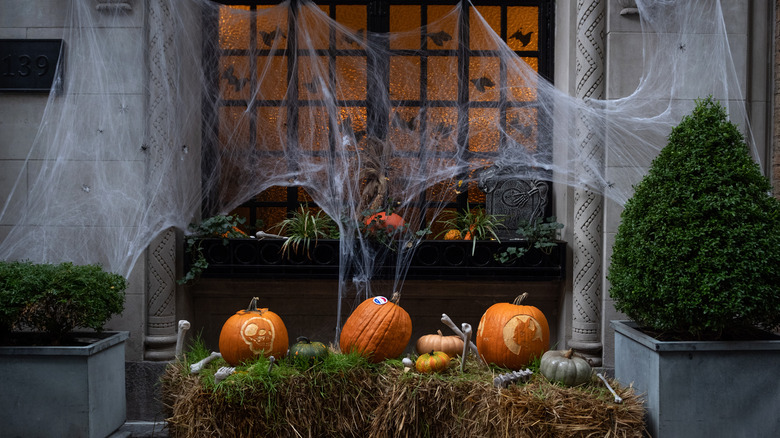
(564, 367)
(306, 352)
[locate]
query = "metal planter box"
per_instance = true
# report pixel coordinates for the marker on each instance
(701, 389)
(69, 391)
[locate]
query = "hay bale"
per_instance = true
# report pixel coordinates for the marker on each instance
(362, 400)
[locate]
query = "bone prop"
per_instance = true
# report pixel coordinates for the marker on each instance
(448, 322)
(617, 397)
(466, 341)
(198, 366)
(184, 325)
(262, 235)
(223, 373)
(271, 361)
(503, 380)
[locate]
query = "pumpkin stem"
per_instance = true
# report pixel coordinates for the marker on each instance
(520, 298)
(303, 339)
(569, 353)
(253, 305)
(396, 296)
(439, 332)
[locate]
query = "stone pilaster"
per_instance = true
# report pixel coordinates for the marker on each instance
(588, 201)
(160, 341)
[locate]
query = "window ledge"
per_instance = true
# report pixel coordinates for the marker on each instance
(433, 259)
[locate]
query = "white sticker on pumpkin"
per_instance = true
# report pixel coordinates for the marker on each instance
(380, 300)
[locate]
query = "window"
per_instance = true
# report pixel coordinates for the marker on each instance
(450, 107)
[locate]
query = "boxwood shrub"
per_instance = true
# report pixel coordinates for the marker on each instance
(697, 252)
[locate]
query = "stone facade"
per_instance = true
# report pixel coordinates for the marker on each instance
(154, 303)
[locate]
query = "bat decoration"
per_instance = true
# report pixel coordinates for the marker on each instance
(524, 38)
(410, 125)
(524, 129)
(230, 75)
(269, 37)
(439, 38)
(442, 130)
(483, 83)
(355, 38)
(312, 87)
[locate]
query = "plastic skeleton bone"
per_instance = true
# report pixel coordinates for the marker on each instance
(618, 399)
(184, 325)
(262, 235)
(503, 380)
(466, 341)
(198, 366)
(448, 322)
(222, 373)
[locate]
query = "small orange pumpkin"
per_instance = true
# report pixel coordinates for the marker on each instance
(377, 329)
(432, 362)
(511, 335)
(382, 221)
(452, 235)
(452, 345)
(252, 332)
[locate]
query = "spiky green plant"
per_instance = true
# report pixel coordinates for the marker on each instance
(305, 227)
(474, 225)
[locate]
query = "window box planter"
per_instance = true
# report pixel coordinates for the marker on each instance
(433, 259)
(708, 388)
(64, 390)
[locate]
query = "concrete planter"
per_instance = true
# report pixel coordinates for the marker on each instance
(69, 391)
(701, 389)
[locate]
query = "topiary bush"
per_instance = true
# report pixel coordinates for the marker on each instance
(56, 299)
(697, 252)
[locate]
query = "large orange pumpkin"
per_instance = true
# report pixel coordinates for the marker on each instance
(377, 329)
(511, 335)
(252, 332)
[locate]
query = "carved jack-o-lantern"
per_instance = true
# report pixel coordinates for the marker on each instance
(252, 332)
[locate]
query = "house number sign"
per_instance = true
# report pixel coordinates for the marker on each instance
(29, 65)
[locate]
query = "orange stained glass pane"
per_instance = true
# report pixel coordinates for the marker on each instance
(271, 122)
(405, 129)
(304, 196)
(313, 33)
(443, 191)
(351, 72)
(443, 78)
(271, 28)
(442, 129)
(355, 18)
(272, 194)
(233, 127)
(353, 122)
(312, 76)
(484, 79)
(404, 77)
(314, 128)
(484, 129)
(234, 77)
(442, 28)
(475, 194)
(483, 35)
(521, 82)
(272, 77)
(404, 27)
(233, 27)
(272, 217)
(523, 27)
(521, 126)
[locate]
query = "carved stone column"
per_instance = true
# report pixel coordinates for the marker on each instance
(160, 341)
(588, 203)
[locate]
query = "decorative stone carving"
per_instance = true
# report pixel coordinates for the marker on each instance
(110, 6)
(628, 7)
(160, 341)
(516, 200)
(588, 204)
